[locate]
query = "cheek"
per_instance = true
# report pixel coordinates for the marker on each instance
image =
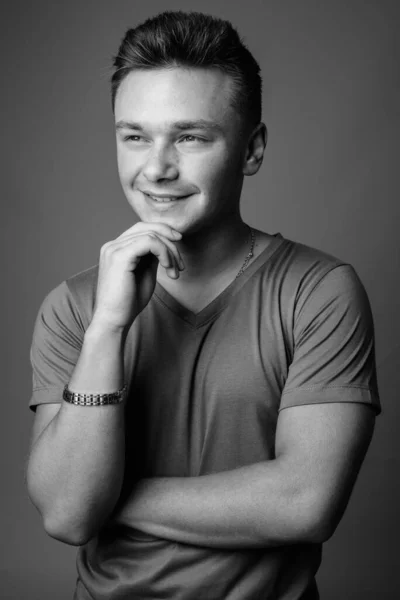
(220, 172)
(127, 166)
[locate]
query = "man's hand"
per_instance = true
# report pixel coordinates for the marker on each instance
(128, 270)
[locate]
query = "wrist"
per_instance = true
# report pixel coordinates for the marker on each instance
(100, 368)
(99, 328)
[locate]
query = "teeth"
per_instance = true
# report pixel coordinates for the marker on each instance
(164, 199)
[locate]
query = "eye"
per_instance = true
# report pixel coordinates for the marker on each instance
(193, 138)
(132, 138)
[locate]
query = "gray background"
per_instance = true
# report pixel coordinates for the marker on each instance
(331, 94)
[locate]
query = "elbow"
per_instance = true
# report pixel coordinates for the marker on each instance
(307, 519)
(66, 526)
(74, 529)
(317, 531)
(319, 524)
(66, 533)
(60, 529)
(324, 527)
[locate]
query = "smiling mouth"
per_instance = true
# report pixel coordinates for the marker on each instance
(165, 199)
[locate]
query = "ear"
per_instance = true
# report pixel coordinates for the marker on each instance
(255, 150)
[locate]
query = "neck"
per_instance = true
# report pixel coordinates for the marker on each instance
(212, 251)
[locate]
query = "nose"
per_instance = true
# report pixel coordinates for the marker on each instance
(160, 164)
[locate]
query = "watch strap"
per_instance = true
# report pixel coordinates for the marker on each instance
(93, 399)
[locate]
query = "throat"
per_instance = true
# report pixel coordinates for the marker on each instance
(196, 294)
(194, 300)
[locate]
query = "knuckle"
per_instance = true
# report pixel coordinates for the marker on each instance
(105, 247)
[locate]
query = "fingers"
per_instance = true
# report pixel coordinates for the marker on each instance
(143, 226)
(164, 232)
(134, 246)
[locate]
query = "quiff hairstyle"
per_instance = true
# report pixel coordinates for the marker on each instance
(175, 38)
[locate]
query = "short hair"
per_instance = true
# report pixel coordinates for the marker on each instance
(192, 39)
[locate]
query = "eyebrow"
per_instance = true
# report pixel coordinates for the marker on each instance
(179, 125)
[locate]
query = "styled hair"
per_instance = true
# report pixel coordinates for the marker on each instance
(175, 38)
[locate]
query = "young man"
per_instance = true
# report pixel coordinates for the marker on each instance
(220, 381)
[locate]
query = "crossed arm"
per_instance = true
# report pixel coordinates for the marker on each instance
(300, 496)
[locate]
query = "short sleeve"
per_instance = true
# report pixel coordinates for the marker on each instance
(334, 348)
(56, 346)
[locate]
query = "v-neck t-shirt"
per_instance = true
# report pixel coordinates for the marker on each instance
(204, 395)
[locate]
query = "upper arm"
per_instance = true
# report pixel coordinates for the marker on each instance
(330, 398)
(56, 345)
(323, 447)
(45, 413)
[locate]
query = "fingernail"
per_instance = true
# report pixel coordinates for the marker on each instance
(177, 234)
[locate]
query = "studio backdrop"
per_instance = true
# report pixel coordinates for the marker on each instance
(329, 179)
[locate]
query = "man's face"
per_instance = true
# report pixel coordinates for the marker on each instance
(177, 135)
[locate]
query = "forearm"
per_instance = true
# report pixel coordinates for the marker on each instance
(259, 505)
(76, 466)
